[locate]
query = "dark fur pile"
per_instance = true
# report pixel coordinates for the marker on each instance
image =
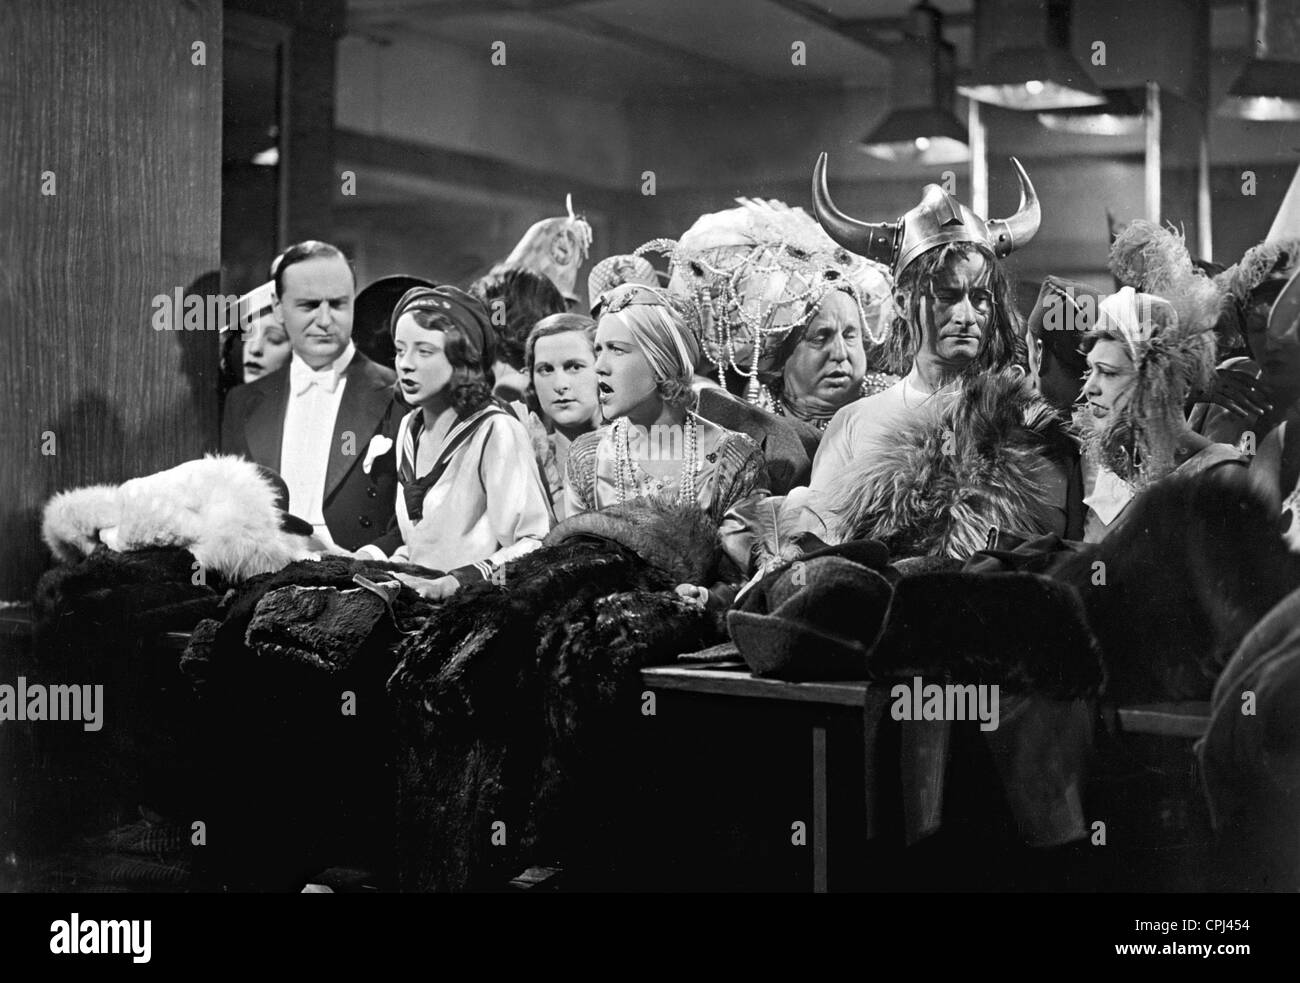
(1021, 631)
(112, 598)
(512, 699)
(1193, 565)
(939, 485)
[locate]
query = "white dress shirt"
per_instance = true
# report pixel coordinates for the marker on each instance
(314, 398)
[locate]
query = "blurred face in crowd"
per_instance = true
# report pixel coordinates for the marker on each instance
(1277, 351)
(564, 379)
(1053, 381)
(1110, 378)
(316, 309)
(265, 347)
(625, 381)
(828, 364)
(511, 383)
(959, 304)
(423, 370)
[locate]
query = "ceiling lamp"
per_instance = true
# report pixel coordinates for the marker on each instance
(1120, 115)
(921, 126)
(1025, 60)
(1268, 88)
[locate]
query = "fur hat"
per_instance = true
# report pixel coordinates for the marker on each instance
(941, 484)
(227, 511)
(816, 619)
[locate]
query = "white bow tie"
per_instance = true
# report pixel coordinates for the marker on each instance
(305, 378)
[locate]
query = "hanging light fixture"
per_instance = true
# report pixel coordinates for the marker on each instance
(1120, 115)
(1268, 88)
(1024, 59)
(921, 125)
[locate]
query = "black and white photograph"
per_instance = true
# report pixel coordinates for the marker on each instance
(647, 447)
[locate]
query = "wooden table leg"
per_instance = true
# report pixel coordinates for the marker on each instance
(819, 808)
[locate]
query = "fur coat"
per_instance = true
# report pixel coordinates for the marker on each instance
(1195, 563)
(518, 704)
(941, 484)
(221, 509)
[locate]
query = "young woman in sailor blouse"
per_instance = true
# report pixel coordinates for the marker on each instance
(470, 497)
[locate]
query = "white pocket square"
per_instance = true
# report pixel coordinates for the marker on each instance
(379, 446)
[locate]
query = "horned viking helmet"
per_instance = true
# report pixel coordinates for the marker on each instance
(939, 219)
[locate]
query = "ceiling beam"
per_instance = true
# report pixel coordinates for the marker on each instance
(640, 43)
(851, 29)
(371, 14)
(472, 171)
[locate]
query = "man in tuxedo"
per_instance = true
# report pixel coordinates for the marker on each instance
(315, 419)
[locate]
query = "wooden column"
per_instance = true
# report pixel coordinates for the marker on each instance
(103, 105)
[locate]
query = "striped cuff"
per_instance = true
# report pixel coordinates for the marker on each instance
(472, 572)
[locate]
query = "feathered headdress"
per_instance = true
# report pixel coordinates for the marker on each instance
(555, 248)
(749, 276)
(1259, 262)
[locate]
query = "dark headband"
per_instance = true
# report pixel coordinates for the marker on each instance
(463, 310)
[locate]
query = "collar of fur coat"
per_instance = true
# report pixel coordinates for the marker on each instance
(679, 540)
(939, 486)
(219, 508)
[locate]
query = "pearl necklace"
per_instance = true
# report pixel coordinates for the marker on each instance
(630, 487)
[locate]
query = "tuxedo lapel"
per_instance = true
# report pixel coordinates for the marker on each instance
(264, 425)
(365, 398)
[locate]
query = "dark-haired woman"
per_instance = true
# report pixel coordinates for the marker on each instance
(471, 497)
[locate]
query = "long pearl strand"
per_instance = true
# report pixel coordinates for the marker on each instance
(687, 480)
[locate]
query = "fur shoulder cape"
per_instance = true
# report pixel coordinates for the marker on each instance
(941, 484)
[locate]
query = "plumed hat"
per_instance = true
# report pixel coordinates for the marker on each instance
(938, 220)
(747, 277)
(555, 248)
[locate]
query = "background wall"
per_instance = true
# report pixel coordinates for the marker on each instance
(104, 96)
(456, 157)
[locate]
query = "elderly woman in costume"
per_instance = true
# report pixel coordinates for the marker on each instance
(778, 305)
(645, 359)
(560, 358)
(1154, 259)
(471, 495)
(954, 316)
(1145, 354)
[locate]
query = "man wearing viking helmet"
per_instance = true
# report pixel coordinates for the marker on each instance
(953, 308)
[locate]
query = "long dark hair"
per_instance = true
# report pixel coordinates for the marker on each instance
(1001, 345)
